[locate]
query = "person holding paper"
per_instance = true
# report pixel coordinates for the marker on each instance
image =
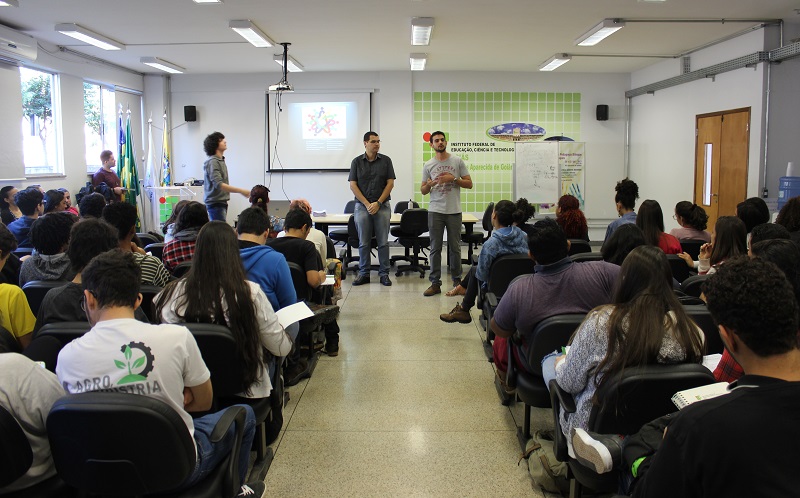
(443, 177)
(372, 180)
(216, 188)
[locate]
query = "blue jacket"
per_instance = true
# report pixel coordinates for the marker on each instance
(268, 268)
(506, 240)
(21, 228)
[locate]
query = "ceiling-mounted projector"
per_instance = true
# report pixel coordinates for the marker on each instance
(283, 85)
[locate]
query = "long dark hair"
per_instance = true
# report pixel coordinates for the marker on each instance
(730, 239)
(216, 277)
(52, 198)
(642, 297)
(3, 195)
(193, 215)
(692, 214)
(176, 211)
(625, 239)
(651, 220)
(789, 216)
(571, 218)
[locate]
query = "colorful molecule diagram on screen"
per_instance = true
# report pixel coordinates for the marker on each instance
(322, 122)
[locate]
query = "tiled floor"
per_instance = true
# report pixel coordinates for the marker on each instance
(408, 408)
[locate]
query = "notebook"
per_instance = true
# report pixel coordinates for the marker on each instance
(682, 399)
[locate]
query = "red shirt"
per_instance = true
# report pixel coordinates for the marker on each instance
(727, 369)
(109, 178)
(669, 244)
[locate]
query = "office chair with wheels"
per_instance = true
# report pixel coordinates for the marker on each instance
(413, 223)
(341, 234)
(35, 290)
(347, 256)
(397, 231)
(473, 239)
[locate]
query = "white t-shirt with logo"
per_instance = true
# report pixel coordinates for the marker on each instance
(128, 356)
(445, 198)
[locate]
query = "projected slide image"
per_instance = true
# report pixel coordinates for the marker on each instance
(324, 120)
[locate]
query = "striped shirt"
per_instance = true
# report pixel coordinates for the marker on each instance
(153, 271)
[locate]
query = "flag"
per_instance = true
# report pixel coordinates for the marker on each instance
(121, 143)
(151, 178)
(166, 170)
(128, 176)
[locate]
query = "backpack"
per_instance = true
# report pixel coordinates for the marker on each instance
(546, 471)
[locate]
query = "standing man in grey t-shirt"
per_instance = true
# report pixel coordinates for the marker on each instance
(443, 177)
(215, 172)
(372, 180)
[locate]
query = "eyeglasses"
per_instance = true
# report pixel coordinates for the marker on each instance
(675, 217)
(83, 301)
(374, 141)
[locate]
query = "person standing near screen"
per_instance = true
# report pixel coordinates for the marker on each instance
(372, 180)
(216, 188)
(443, 177)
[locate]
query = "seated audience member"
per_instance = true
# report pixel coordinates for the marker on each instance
(122, 216)
(728, 240)
(524, 211)
(215, 289)
(263, 264)
(559, 286)
(788, 217)
(627, 333)
(693, 221)
(696, 452)
(506, 239)
(92, 206)
(15, 314)
(767, 231)
(624, 240)
(181, 248)
(625, 198)
(168, 228)
(259, 198)
(28, 391)
(651, 221)
(30, 204)
(172, 369)
(315, 236)
(571, 219)
(54, 202)
(752, 212)
(50, 238)
(8, 207)
(88, 238)
(72, 209)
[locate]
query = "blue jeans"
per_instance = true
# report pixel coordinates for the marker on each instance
(209, 455)
(217, 212)
(368, 225)
(437, 222)
(549, 367)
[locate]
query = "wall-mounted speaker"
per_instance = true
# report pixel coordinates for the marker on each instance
(602, 112)
(190, 113)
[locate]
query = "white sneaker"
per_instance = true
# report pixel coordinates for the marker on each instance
(596, 451)
(253, 489)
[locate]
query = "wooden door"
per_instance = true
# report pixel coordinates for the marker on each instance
(721, 151)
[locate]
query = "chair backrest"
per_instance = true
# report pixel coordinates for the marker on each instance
(35, 290)
(551, 334)
(413, 222)
(578, 246)
(403, 205)
(23, 251)
(702, 317)
(352, 231)
(486, 222)
(147, 239)
(16, 455)
(330, 248)
(148, 293)
(65, 332)
(91, 453)
(299, 279)
(505, 268)
(680, 270)
(350, 207)
(156, 249)
(219, 351)
(181, 268)
(586, 256)
(692, 247)
(8, 344)
(692, 286)
(641, 394)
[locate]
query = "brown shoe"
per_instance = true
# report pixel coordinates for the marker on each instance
(458, 314)
(432, 290)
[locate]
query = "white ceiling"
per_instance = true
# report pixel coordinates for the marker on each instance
(374, 35)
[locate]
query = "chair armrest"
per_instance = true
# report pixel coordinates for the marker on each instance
(511, 372)
(235, 415)
(564, 399)
(491, 298)
(561, 400)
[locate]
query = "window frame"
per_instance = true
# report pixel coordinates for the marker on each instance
(103, 87)
(57, 170)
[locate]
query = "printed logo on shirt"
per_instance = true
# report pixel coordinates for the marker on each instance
(138, 368)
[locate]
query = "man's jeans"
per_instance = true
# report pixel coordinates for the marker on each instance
(437, 222)
(217, 212)
(368, 225)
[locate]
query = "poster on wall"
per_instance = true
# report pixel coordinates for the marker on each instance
(482, 128)
(572, 161)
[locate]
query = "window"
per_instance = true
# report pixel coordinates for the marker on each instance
(40, 131)
(100, 126)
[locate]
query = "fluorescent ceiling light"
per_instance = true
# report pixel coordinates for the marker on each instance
(162, 65)
(599, 32)
(292, 65)
(207, 1)
(554, 62)
(421, 28)
(9, 3)
(89, 36)
(418, 61)
(251, 33)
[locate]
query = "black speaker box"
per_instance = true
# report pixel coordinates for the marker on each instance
(602, 112)
(190, 113)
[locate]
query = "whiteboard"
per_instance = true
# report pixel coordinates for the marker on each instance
(536, 172)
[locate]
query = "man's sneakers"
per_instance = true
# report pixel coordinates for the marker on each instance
(361, 280)
(385, 281)
(457, 314)
(601, 452)
(254, 489)
(432, 290)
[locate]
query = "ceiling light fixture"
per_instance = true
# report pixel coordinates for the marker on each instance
(554, 62)
(89, 36)
(421, 28)
(163, 65)
(9, 3)
(600, 32)
(418, 61)
(291, 64)
(207, 1)
(251, 33)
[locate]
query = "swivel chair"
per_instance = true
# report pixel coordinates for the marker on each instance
(413, 223)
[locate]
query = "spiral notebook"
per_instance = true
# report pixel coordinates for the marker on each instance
(682, 399)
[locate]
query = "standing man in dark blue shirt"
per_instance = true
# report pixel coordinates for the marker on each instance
(371, 180)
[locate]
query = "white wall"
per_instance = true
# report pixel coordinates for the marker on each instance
(662, 144)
